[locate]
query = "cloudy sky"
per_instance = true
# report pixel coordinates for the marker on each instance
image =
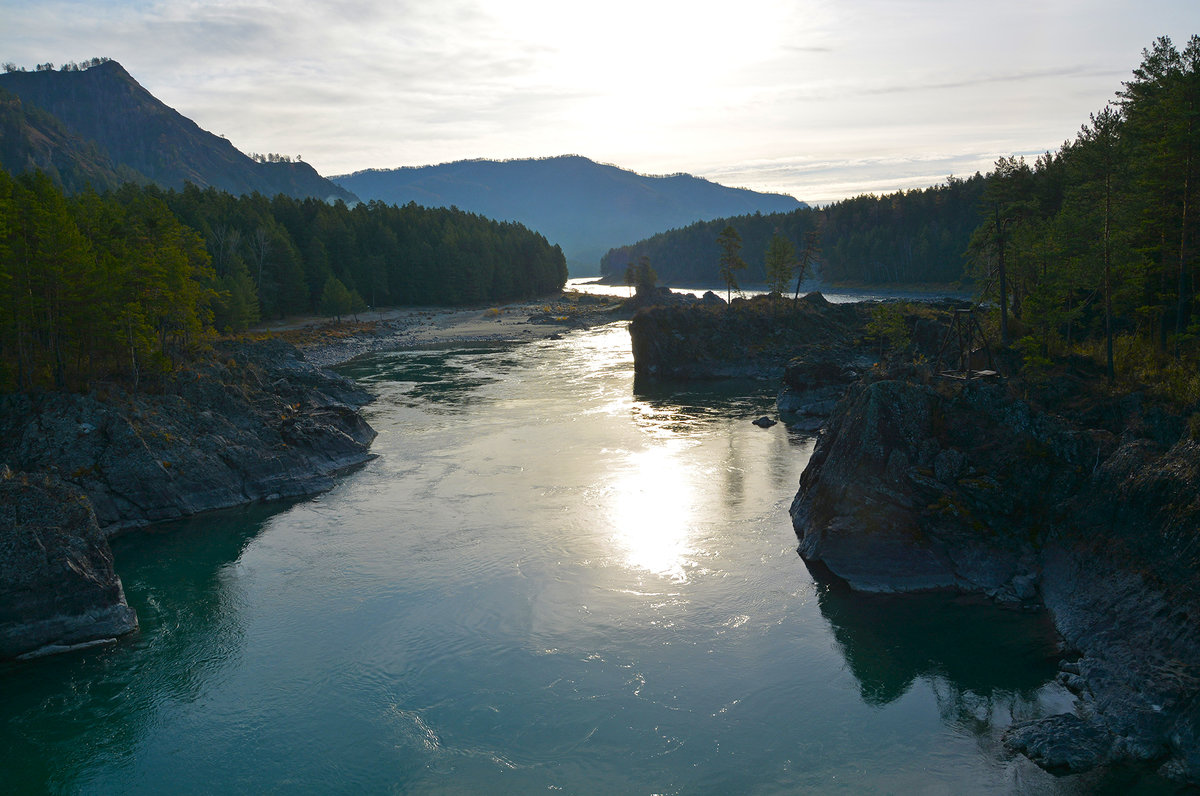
(821, 99)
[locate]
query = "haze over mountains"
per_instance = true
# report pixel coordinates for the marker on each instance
(585, 207)
(98, 126)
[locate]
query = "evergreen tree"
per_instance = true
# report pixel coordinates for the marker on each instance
(1006, 203)
(780, 264)
(336, 299)
(730, 244)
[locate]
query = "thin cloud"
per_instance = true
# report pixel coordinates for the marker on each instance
(807, 97)
(1009, 78)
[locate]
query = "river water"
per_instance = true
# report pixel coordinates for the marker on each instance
(550, 579)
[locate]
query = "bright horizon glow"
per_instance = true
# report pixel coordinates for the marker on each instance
(815, 98)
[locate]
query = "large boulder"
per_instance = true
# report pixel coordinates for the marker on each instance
(916, 487)
(898, 496)
(58, 589)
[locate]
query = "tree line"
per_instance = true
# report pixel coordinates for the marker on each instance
(916, 236)
(1089, 250)
(1092, 248)
(129, 282)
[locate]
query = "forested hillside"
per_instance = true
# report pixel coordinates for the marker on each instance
(127, 283)
(585, 207)
(909, 237)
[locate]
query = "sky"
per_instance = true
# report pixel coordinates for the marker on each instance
(820, 99)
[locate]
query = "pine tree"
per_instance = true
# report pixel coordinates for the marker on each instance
(730, 244)
(779, 264)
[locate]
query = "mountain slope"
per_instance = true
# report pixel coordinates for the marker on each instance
(31, 139)
(586, 207)
(105, 105)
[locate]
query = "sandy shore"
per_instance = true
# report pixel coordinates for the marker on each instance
(327, 342)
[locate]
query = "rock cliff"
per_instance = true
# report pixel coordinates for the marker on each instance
(57, 584)
(255, 423)
(747, 338)
(930, 486)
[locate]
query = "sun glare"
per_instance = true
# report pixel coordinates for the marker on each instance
(653, 512)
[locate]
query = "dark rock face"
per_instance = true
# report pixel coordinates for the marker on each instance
(1062, 744)
(749, 337)
(874, 510)
(57, 584)
(263, 425)
(916, 487)
(814, 382)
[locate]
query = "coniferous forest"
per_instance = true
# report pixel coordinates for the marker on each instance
(1093, 248)
(126, 283)
(1090, 249)
(908, 237)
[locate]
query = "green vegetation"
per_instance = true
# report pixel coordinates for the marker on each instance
(916, 236)
(730, 244)
(641, 275)
(779, 264)
(128, 283)
(888, 327)
(388, 255)
(95, 285)
(1092, 249)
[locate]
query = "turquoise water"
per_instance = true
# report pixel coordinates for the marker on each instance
(549, 581)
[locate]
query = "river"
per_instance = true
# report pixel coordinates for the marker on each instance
(549, 580)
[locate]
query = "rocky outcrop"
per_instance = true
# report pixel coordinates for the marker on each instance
(747, 338)
(58, 589)
(931, 486)
(813, 383)
(258, 423)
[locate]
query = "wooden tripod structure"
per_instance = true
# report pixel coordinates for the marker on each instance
(965, 331)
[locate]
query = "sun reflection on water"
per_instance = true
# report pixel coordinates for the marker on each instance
(653, 502)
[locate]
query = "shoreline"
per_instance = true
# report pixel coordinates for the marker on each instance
(327, 343)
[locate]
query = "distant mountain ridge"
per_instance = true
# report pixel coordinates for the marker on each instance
(135, 134)
(584, 206)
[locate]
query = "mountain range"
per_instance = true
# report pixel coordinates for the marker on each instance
(98, 126)
(585, 207)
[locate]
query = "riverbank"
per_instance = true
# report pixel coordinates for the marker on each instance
(920, 484)
(326, 343)
(254, 422)
(1060, 497)
(260, 419)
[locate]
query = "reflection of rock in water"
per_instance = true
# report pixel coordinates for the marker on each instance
(976, 655)
(191, 616)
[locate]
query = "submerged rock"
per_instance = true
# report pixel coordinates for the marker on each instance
(1062, 744)
(58, 589)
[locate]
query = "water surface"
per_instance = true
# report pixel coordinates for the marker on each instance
(545, 582)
